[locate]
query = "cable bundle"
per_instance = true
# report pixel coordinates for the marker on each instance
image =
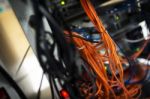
(109, 86)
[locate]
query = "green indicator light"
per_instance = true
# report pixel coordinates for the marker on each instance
(117, 18)
(62, 3)
(137, 49)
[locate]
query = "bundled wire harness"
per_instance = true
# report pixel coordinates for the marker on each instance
(107, 85)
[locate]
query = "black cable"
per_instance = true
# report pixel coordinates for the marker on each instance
(56, 88)
(59, 16)
(12, 83)
(49, 54)
(60, 39)
(51, 87)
